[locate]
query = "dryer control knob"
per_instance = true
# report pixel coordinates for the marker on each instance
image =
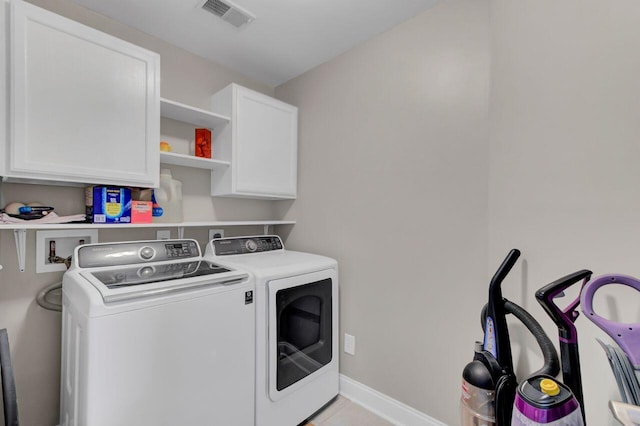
(147, 252)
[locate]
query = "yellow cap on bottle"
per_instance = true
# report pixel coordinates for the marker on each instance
(549, 387)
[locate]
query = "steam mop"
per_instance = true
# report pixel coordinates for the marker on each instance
(625, 358)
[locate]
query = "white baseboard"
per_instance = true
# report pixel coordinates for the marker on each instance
(384, 406)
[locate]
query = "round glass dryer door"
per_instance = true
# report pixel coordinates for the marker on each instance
(301, 320)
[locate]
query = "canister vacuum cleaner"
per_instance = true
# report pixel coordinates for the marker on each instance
(489, 386)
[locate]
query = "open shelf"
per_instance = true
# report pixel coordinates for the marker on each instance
(192, 161)
(188, 114)
(198, 118)
(38, 226)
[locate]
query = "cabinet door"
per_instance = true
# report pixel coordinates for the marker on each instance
(84, 105)
(265, 148)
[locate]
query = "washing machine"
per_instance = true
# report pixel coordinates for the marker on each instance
(155, 335)
(296, 299)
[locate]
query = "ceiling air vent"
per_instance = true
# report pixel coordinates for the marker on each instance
(229, 12)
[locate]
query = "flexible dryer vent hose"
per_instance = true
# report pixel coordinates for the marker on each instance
(551, 364)
(44, 296)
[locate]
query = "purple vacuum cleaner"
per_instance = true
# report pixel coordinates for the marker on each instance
(567, 333)
(490, 393)
(541, 399)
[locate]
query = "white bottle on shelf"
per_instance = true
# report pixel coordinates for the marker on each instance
(169, 198)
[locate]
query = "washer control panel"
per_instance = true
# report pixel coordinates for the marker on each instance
(180, 250)
(246, 245)
(128, 253)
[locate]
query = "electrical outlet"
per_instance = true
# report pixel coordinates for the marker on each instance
(216, 233)
(349, 344)
(164, 234)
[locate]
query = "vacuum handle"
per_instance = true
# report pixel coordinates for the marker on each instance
(564, 319)
(568, 335)
(572, 374)
(496, 336)
(504, 269)
(627, 336)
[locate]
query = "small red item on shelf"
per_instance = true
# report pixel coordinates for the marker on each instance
(203, 143)
(141, 211)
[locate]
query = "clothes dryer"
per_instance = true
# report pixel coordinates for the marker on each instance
(296, 302)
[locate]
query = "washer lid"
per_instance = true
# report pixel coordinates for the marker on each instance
(144, 274)
(117, 283)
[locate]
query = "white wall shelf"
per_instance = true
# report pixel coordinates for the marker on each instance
(20, 229)
(203, 224)
(192, 161)
(192, 115)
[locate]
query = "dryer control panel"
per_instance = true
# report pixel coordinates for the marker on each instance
(246, 245)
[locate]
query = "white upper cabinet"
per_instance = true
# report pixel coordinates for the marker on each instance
(83, 106)
(261, 143)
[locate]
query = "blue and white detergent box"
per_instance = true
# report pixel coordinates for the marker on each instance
(111, 204)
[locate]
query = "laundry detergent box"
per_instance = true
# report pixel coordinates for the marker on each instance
(141, 211)
(110, 204)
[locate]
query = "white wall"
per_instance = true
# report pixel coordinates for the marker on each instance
(565, 144)
(393, 156)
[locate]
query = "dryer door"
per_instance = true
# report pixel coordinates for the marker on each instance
(302, 329)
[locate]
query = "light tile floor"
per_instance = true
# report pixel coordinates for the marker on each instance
(344, 412)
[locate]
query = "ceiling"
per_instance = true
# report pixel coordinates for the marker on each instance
(286, 39)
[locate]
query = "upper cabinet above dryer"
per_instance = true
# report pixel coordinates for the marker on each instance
(83, 106)
(261, 143)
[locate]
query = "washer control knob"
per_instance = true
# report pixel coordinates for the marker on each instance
(251, 245)
(147, 252)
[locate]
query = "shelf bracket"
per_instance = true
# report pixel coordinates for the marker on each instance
(20, 235)
(2, 203)
(265, 229)
(180, 232)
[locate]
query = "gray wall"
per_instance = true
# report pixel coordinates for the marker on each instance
(34, 332)
(394, 146)
(393, 157)
(565, 103)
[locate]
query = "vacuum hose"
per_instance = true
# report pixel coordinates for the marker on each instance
(551, 365)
